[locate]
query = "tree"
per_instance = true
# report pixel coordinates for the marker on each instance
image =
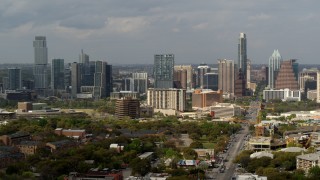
(314, 172)
(196, 144)
(140, 166)
(189, 153)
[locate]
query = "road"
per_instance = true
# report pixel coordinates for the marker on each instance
(232, 152)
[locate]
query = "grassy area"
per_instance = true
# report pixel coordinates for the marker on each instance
(208, 145)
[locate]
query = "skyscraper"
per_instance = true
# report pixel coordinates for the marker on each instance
(201, 71)
(210, 81)
(40, 62)
(242, 54)
(226, 75)
(288, 75)
(75, 79)
(57, 74)
(140, 82)
(103, 79)
(318, 87)
(274, 66)
(188, 69)
(163, 70)
(86, 75)
(14, 78)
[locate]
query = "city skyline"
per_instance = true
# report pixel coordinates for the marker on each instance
(122, 32)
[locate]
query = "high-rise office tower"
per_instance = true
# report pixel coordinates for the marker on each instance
(210, 81)
(57, 74)
(67, 77)
(163, 70)
(180, 71)
(140, 82)
(307, 75)
(226, 75)
(180, 78)
(242, 54)
(240, 84)
(87, 77)
(201, 71)
(318, 87)
(288, 75)
(40, 62)
(103, 79)
(75, 79)
(274, 66)
(14, 78)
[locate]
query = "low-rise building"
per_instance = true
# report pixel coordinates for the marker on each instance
(15, 138)
(28, 147)
(146, 155)
(249, 176)
(60, 145)
(96, 174)
(225, 110)
(202, 98)
(282, 94)
(9, 155)
(158, 176)
(265, 143)
(72, 133)
(307, 161)
(204, 153)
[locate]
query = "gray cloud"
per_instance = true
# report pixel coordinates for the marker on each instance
(123, 31)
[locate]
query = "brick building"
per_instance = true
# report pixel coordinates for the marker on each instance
(73, 133)
(288, 75)
(127, 107)
(28, 147)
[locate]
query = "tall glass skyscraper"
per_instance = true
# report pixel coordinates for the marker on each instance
(40, 62)
(242, 54)
(274, 66)
(163, 70)
(57, 74)
(14, 78)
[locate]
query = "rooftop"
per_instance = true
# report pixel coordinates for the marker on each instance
(29, 143)
(310, 157)
(19, 134)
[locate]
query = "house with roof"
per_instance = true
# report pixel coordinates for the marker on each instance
(15, 138)
(307, 161)
(60, 145)
(9, 155)
(72, 133)
(28, 147)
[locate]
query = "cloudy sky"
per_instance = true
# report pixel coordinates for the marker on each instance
(132, 31)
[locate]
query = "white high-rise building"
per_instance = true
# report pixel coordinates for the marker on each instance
(40, 62)
(167, 98)
(274, 66)
(226, 75)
